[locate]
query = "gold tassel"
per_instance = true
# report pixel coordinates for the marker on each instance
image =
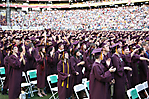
(63, 55)
(68, 77)
(63, 72)
(122, 51)
(116, 50)
(101, 58)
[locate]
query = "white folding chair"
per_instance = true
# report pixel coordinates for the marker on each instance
(84, 80)
(80, 87)
(134, 94)
(32, 74)
(146, 87)
(2, 76)
(83, 70)
(51, 80)
(129, 93)
(86, 84)
(141, 91)
(27, 84)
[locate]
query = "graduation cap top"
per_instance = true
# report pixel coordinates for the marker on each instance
(115, 45)
(75, 42)
(147, 39)
(97, 51)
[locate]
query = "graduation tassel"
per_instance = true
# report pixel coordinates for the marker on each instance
(101, 58)
(63, 72)
(68, 73)
(122, 51)
(116, 50)
(63, 55)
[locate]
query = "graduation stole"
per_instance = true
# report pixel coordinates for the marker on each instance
(67, 73)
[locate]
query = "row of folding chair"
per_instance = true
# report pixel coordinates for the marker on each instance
(23, 84)
(30, 84)
(82, 87)
(32, 74)
(2, 76)
(141, 91)
(52, 79)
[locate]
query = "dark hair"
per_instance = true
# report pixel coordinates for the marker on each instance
(97, 56)
(113, 50)
(140, 50)
(50, 50)
(144, 43)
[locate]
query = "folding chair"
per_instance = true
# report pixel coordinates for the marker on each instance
(146, 87)
(141, 91)
(26, 84)
(83, 70)
(2, 76)
(129, 93)
(51, 80)
(32, 74)
(134, 94)
(80, 87)
(86, 84)
(84, 80)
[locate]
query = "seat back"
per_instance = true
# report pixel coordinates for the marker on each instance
(129, 93)
(24, 75)
(145, 84)
(53, 78)
(141, 91)
(31, 74)
(2, 70)
(134, 94)
(86, 84)
(84, 80)
(139, 87)
(80, 87)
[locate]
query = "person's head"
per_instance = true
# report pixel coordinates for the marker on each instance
(61, 47)
(97, 53)
(141, 51)
(144, 45)
(126, 51)
(140, 42)
(84, 46)
(31, 45)
(43, 50)
(15, 49)
(27, 42)
(76, 52)
(119, 50)
(106, 48)
(65, 56)
(116, 48)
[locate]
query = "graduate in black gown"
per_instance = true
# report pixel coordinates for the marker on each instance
(100, 77)
(119, 75)
(65, 77)
(16, 64)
